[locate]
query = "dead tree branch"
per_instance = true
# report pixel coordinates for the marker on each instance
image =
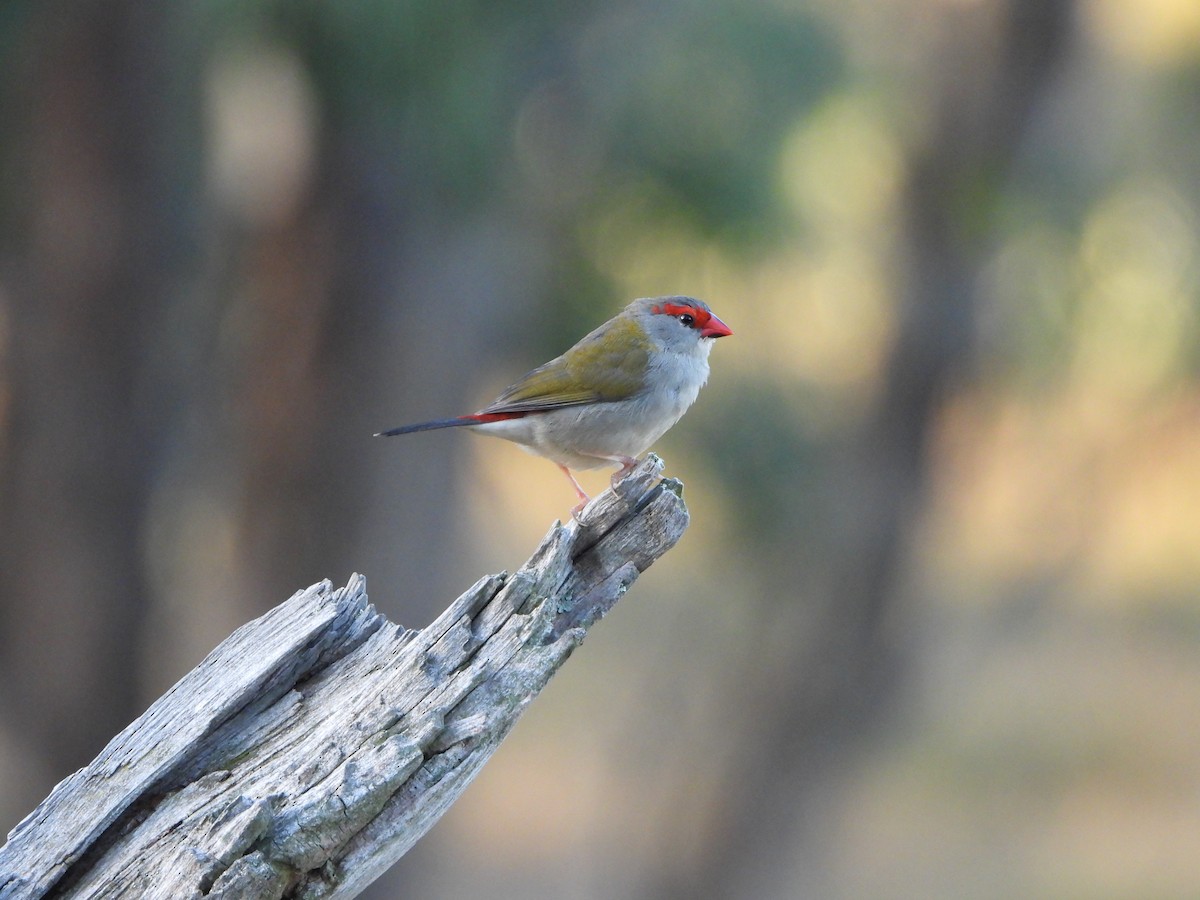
(313, 747)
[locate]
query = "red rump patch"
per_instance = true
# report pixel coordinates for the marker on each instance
(678, 309)
(484, 418)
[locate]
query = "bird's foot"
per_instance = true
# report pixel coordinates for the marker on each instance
(628, 464)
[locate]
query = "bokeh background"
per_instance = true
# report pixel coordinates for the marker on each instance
(934, 630)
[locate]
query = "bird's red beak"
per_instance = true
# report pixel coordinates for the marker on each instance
(715, 328)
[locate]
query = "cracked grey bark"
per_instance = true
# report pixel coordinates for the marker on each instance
(313, 747)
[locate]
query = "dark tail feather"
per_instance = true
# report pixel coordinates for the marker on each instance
(473, 419)
(429, 426)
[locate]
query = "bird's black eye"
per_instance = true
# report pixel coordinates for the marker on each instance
(687, 319)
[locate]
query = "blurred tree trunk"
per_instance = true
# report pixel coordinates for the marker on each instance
(181, 380)
(102, 237)
(822, 701)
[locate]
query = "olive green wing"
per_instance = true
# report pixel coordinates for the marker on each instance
(607, 365)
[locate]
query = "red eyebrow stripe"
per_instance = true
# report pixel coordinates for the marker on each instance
(678, 309)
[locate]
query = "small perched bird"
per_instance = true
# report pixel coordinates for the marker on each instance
(611, 396)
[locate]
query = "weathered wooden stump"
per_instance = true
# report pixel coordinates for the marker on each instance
(313, 747)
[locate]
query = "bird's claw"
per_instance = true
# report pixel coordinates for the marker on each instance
(628, 464)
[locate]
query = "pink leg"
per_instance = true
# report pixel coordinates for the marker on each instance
(579, 492)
